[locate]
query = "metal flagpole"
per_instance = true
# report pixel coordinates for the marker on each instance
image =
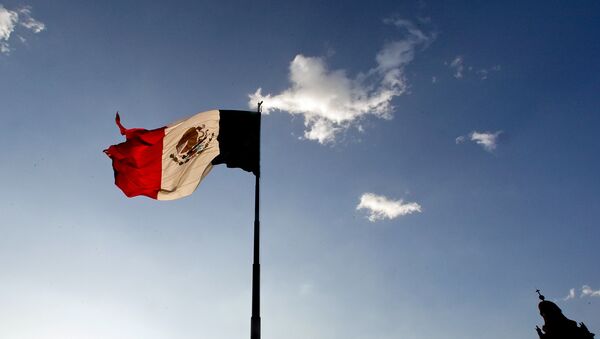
(255, 319)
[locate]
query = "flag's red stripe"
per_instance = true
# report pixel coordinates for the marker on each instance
(137, 162)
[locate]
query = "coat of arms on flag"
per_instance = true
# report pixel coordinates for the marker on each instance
(192, 143)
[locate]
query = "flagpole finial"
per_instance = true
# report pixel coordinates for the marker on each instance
(259, 109)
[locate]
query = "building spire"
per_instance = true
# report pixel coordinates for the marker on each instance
(556, 325)
(542, 298)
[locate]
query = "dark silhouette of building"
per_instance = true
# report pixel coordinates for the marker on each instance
(556, 325)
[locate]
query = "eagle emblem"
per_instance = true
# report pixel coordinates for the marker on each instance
(192, 142)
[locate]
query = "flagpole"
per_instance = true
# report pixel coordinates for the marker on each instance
(255, 319)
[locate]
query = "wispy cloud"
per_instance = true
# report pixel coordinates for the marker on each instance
(29, 22)
(487, 140)
(485, 72)
(571, 294)
(332, 101)
(9, 21)
(381, 207)
(458, 66)
(586, 291)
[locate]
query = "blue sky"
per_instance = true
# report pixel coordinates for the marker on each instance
(466, 132)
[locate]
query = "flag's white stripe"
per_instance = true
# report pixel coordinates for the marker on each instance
(195, 167)
(208, 169)
(181, 180)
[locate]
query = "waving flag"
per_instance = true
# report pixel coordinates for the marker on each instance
(169, 162)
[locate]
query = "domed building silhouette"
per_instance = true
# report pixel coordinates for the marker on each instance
(556, 325)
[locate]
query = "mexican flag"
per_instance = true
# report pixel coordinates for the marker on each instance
(170, 162)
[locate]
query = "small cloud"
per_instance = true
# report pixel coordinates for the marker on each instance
(484, 73)
(434, 80)
(381, 207)
(587, 291)
(460, 68)
(487, 140)
(571, 295)
(331, 101)
(29, 22)
(8, 25)
(458, 65)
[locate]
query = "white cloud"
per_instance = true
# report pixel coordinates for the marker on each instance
(381, 207)
(331, 101)
(8, 20)
(571, 294)
(458, 65)
(587, 291)
(8, 24)
(487, 140)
